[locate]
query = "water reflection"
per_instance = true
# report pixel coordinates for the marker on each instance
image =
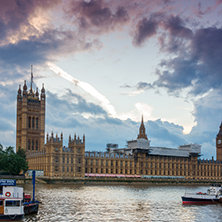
(118, 203)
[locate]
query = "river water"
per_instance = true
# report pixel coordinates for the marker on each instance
(119, 203)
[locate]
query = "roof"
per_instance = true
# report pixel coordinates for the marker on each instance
(220, 131)
(162, 151)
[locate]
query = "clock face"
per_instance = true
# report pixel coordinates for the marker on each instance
(219, 141)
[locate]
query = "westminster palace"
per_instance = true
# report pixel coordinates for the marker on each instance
(139, 159)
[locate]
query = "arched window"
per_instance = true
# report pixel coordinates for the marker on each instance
(32, 144)
(36, 144)
(33, 122)
(28, 144)
(37, 123)
(29, 122)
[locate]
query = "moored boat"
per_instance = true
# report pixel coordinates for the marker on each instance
(31, 206)
(213, 196)
(11, 197)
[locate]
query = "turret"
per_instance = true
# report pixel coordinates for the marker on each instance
(25, 89)
(19, 95)
(43, 92)
(83, 138)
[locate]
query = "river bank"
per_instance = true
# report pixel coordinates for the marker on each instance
(112, 181)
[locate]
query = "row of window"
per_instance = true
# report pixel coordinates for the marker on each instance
(33, 144)
(125, 171)
(68, 169)
(11, 203)
(33, 122)
(67, 160)
(120, 163)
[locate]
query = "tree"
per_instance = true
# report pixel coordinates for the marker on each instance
(21, 153)
(12, 162)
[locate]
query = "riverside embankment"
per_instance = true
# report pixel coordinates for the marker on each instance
(112, 181)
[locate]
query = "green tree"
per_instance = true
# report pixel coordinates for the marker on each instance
(12, 162)
(3, 159)
(21, 153)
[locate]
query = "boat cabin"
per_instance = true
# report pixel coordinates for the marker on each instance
(11, 198)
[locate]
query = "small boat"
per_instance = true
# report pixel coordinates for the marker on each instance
(213, 196)
(31, 206)
(11, 197)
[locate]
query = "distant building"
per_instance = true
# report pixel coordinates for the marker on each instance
(55, 160)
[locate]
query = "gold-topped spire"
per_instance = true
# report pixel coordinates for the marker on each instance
(142, 131)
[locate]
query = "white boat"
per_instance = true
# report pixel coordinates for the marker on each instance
(212, 196)
(11, 197)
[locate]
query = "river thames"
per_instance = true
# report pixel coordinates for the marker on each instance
(119, 203)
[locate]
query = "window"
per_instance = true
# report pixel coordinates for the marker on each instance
(32, 144)
(79, 160)
(36, 144)
(28, 144)
(37, 123)
(12, 203)
(33, 122)
(29, 122)
(1, 202)
(79, 169)
(67, 159)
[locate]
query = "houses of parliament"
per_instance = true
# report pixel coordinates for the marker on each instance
(138, 159)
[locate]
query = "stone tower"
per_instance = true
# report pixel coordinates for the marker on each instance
(30, 127)
(142, 131)
(219, 144)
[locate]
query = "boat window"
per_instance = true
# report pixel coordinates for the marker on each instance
(1, 202)
(0, 189)
(12, 203)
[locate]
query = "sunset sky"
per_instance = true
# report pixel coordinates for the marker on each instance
(106, 63)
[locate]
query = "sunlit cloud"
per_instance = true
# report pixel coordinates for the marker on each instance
(105, 103)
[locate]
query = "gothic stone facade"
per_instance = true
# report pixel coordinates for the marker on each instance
(58, 161)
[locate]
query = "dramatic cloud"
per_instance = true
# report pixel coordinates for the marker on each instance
(187, 34)
(16, 18)
(145, 29)
(96, 16)
(200, 68)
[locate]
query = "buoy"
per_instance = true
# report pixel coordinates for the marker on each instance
(7, 194)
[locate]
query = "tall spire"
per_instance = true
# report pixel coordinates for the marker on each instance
(31, 76)
(142, 131)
